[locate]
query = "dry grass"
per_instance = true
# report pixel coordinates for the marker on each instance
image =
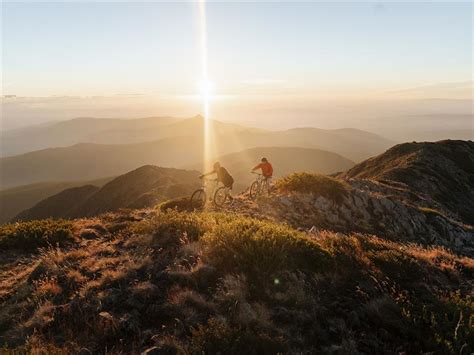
(210, 282)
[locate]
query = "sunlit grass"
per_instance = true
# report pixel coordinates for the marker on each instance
(234, 284)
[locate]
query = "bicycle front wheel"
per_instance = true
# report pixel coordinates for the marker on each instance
(220, 196)
(254, 190)
(198, 199)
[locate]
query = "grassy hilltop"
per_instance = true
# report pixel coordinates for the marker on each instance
(208, 282)
(362, 262)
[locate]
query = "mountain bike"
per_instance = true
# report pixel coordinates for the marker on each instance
(209, 191)
(259, 186)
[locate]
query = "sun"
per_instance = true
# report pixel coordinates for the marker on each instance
(206, 88)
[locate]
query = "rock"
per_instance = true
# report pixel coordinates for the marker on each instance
(286, 201)
(386, 204)
(322, 203)
(345, 213)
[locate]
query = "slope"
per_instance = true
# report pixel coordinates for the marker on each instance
(17, 199)
(443, 171)
(206, 283)
(143, 187)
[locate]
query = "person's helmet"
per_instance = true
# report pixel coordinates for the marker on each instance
(217, 165)
(264, 160)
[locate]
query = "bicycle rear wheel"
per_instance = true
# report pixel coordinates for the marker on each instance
(198, 199)
(220, 197)
(254, 190)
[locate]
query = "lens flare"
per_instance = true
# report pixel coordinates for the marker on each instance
(205, 86)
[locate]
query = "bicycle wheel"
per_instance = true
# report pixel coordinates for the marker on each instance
(265, 189)
(198, 199)
(254, 190)
(220, 197)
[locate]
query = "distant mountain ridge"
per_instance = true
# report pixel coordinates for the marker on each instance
(87, 161)
(106, 131)
(69, 132)
(140, 188)
(20, 198)
(442, 170)
(134, 131)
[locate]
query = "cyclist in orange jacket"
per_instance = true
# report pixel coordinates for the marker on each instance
(267, 171)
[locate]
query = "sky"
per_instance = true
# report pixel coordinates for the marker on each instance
(259, 53)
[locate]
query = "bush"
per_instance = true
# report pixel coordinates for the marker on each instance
(259, 249)
(316, 184)
(35, 234)
(171, 225)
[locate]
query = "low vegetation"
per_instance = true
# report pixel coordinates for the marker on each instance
(35, 234)
(212, 282)
(180, 204)
(316, 184)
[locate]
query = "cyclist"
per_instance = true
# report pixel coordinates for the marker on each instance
(267, 171)
(224, 177)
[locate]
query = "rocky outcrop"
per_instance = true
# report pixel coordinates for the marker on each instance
(442, 172)
(369, 208)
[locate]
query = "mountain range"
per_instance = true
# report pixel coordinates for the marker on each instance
(77, 130)
(140, 188)
(20, 198)
(181, 146)
(123, 191)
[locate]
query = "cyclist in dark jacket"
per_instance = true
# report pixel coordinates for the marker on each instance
(223, 176)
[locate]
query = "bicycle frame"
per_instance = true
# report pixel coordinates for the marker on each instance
(260, 179)
(260, 183)
(209, 186)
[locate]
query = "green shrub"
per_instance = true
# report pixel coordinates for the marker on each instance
(258, 248)
(238, 244)
(35, 234)
(171, 225)
(316, 184)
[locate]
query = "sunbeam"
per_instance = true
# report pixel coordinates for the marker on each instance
(205, 85)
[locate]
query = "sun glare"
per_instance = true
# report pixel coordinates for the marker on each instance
(205, 85)
(205, 90)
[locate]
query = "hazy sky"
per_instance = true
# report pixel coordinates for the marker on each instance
(272, 65)
(291, 48)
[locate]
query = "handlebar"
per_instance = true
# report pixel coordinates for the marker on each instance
(207, 179)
